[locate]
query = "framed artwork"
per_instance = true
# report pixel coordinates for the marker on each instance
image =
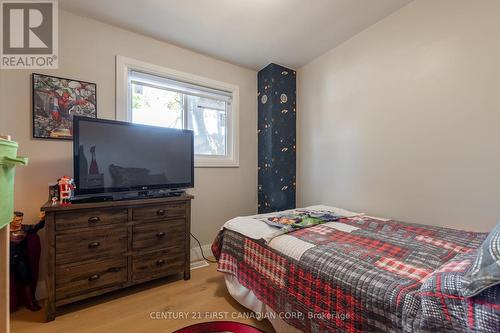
(56, 100)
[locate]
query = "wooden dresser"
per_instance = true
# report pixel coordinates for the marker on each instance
(95, 248)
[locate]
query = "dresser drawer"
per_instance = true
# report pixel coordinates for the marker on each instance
(159, 235)
(79, 279)
(89, 218)
(159, 211)
(157, 264)
(95, 243)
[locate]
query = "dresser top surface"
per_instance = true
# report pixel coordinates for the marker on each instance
(49, 206)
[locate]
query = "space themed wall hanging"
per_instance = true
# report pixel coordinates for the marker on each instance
(277, 138)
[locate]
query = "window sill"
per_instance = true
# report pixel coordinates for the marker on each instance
(211, 162)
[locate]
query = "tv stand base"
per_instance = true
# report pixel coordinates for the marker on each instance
(108, 246)
(137, 195)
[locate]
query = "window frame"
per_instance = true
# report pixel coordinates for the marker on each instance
(123, 109)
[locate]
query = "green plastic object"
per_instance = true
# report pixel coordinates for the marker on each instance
(8, 162)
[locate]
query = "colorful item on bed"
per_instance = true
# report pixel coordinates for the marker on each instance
(298, 219)
(361, 274)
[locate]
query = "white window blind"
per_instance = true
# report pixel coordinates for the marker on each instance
(178, 86)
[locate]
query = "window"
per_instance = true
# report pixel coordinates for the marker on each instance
(148, 94)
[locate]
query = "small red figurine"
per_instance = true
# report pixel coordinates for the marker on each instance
(66, 185)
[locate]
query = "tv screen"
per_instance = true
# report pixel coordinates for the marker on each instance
(113, 156)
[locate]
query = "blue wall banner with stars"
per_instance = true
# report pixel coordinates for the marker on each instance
(277, 138)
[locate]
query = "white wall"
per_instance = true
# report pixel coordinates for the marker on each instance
(403, 120)
(87, 52)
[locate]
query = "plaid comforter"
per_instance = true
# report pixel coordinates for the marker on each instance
(361, 274)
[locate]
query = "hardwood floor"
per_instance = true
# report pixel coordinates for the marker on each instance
(131, 312)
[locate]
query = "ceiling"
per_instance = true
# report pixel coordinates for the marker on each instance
(251, 33)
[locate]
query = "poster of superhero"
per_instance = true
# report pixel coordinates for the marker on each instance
(56, 100)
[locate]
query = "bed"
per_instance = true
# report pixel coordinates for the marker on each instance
(354, 273)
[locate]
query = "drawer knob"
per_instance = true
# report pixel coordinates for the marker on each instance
(160, 212)
(160, 262)
(94, 277)
(94, 219)
(94, 244)
(160, 234)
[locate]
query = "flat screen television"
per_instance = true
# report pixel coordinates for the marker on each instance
(115, 157)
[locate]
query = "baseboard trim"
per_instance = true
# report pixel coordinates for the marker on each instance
(199, 264)
(196, 262)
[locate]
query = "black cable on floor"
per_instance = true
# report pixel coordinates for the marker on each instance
(201, 250)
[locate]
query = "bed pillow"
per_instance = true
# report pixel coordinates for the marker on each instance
(485, 272)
